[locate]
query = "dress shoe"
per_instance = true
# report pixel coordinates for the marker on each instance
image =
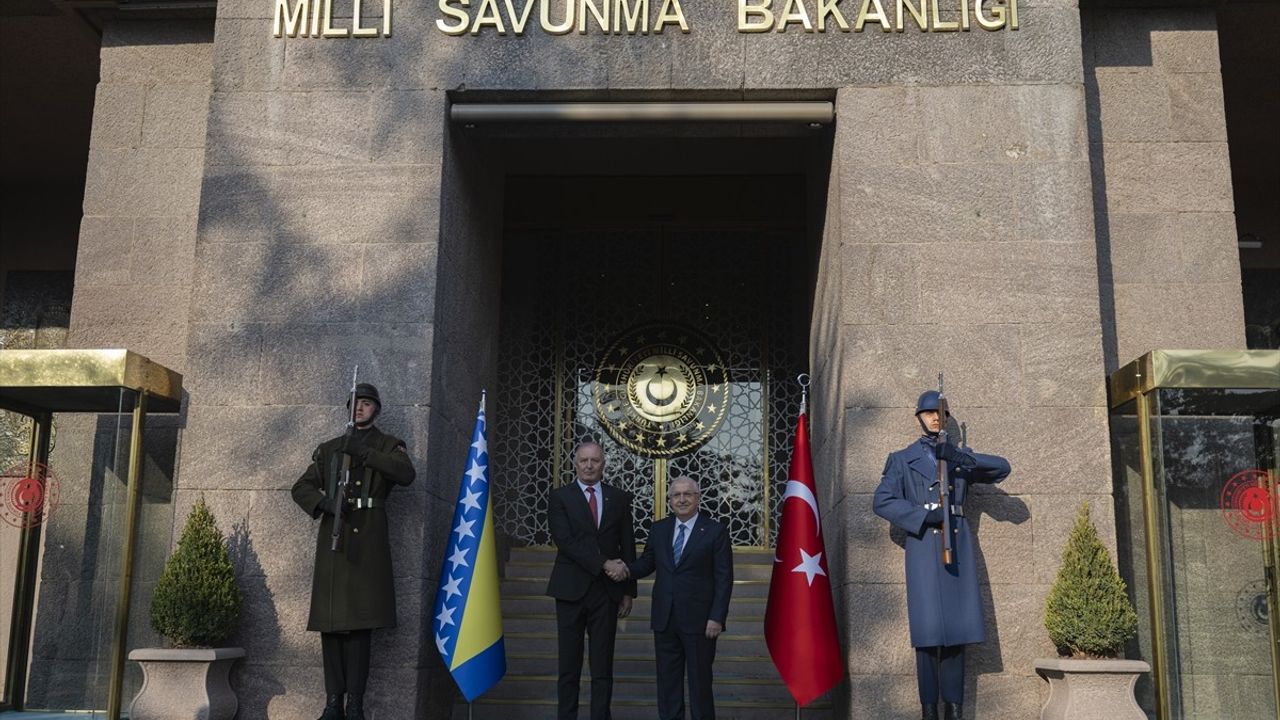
(332, 708)
(928, 711)
(355, 707)
(952, 711)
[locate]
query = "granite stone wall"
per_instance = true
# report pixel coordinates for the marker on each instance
(317, 249)
(132, 286)
(314, 209)
(966, 248)
(1168, 263)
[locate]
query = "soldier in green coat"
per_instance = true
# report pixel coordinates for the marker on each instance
(352, 592)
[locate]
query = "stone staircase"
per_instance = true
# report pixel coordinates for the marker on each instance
(746, 684)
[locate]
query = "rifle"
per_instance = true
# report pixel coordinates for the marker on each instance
(344, 480)
(944, 489)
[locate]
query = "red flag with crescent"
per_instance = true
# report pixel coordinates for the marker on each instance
(800, 619)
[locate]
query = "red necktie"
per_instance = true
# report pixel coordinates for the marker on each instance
(591, 503)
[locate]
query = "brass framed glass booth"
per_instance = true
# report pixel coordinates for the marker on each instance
(1194, 438)
(70, 540)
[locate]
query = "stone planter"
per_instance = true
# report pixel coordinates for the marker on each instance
(185, 684)
(1091, 689)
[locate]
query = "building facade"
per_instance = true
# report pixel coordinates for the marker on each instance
(1023, 195)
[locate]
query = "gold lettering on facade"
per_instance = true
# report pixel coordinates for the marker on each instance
(746, 13)
(671, 13)
(605, 16)
(917, 14)
(831, 7)
(329, 29)
(487, 16)
(599, 12)
(940, 25)
(288, 23)
(314, 18)
(995, 22)
(756, 16)
(544, 14)
(519, 21)
(865, 16)
(460, 15)
(356, 29)
(637, 17)
(794, 12)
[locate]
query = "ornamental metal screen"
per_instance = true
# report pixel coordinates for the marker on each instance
(568, 295)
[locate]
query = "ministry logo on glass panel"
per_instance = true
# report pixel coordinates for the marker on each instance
(661, 390)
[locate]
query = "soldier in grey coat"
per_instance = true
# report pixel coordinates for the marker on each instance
(352, 592)
(943, 605)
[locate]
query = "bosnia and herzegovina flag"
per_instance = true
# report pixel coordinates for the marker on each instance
(468, 614)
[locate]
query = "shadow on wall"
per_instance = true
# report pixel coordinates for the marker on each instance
(259, 629)
(320, 246)
(1110, 42)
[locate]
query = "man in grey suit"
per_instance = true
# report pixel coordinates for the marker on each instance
(692, 555)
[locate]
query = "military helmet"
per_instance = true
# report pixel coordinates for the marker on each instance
(928, 401)
(367, 390)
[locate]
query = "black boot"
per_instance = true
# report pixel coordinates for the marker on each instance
(928, 711)
(332, 708)
(952, 711)
(355, 707)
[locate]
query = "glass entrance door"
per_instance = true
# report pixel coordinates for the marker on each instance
(575, 302)
(1198, 519)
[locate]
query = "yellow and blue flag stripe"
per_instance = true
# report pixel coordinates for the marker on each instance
(468, 614)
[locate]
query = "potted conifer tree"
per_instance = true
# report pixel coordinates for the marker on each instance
(1089, 619)
(196, 606)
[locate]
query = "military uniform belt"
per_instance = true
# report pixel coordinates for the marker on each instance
(362, 503)
(957, 511)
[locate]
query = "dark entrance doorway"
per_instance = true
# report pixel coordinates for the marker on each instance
(715, 265)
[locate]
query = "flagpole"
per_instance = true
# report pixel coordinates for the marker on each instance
(803, 379)
(470, 707)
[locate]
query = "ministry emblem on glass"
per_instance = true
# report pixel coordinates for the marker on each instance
(661, 390)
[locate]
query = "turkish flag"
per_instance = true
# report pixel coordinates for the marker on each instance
(800, 619)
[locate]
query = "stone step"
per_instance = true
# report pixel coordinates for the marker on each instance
(746, 610)
(753, 666)
(487, 708)
(516, 623)
(741, 555)
(538, 603)
(541, 568)
(758, 588)
(636, 639)
(641, 686)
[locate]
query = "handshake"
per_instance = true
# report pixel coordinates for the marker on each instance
(616, 570)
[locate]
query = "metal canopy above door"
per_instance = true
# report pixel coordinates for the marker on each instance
(820, 112)
(38, 383)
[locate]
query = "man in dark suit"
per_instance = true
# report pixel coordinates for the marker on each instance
(692, 556)
(591, 526)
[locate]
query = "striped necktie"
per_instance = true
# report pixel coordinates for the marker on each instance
(679, 548)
